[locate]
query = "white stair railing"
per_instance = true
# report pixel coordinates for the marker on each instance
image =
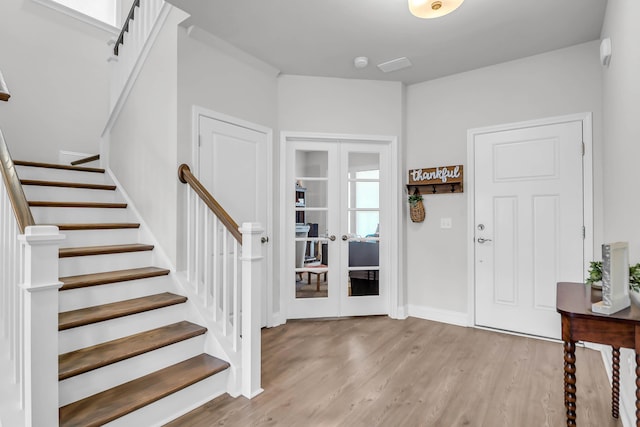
(28, 308)
(225, 273)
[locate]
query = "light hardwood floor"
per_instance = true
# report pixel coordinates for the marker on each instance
(374, 371)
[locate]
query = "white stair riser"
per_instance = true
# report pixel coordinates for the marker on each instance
(171, 407)
(49, 174)
(96, 333)
(73, 266)
(118, 236)
(47, 215)
(75, 299)
(63, 194)
(90, 383)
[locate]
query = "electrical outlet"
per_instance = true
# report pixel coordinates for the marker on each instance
(446, 223)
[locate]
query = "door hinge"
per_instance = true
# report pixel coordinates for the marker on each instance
(199, 141)
(584, 148)
(584, 233)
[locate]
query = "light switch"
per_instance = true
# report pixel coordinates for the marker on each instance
(445, 223)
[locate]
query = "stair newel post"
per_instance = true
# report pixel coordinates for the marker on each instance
(40, 289)
(252, 282)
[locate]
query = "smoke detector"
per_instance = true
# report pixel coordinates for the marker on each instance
(361, 62)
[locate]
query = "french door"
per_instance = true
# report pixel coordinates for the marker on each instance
(335, 228)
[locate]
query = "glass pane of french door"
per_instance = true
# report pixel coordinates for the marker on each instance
(363, 224)
(311, 223)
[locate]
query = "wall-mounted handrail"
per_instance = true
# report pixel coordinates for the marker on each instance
(186, 177)
(14, 188)
(4, 91)
(125, 27)
(86, 160)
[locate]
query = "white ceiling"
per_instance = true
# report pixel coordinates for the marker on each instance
(322, 37)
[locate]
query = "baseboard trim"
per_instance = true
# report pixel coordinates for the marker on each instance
(277, 319)
(438, 315)
(402, 312)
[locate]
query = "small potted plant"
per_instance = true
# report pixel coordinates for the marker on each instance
(595, 274)
(634, 278)
(416, 206)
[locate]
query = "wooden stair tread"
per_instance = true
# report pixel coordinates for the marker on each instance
(56, 166)
(98, 226)
(114, 403)
(67, 184)
(103, 250)
(95, 279)
(100, 313)
(94, 357)
(50, 204)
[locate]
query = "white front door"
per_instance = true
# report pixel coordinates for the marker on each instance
(336, 223)
(528, 224)
(233, 166)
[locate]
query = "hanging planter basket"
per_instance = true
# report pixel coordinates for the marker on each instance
(416, 207)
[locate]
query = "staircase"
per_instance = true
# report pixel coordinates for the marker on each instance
(131, 349)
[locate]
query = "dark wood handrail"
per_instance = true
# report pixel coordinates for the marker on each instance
(4, 91)
(86, 160)
(125, 27)
(14, 188)
(186, 177)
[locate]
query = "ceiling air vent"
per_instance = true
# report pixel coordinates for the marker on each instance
(395, 65)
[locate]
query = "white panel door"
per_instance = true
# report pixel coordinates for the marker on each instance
(528, 225)
(232, 165)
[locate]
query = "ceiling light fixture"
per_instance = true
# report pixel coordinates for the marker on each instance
(433, 8)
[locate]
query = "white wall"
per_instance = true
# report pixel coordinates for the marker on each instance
(214, 79)
(331, 105)
(621, 87)
(56, 69)
(439, 113)
(143, 148)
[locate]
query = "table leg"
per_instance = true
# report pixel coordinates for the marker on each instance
(570, 381)
(615, 383)
(637, 390)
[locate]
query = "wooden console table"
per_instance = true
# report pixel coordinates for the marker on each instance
(580, 324)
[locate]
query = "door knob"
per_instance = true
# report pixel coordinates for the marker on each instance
(482, 240)
(264, 239)
(345, 237)
(332, 238)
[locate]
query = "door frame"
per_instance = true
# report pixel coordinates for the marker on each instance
(201, 112)
(395, 238)
(587, 191)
